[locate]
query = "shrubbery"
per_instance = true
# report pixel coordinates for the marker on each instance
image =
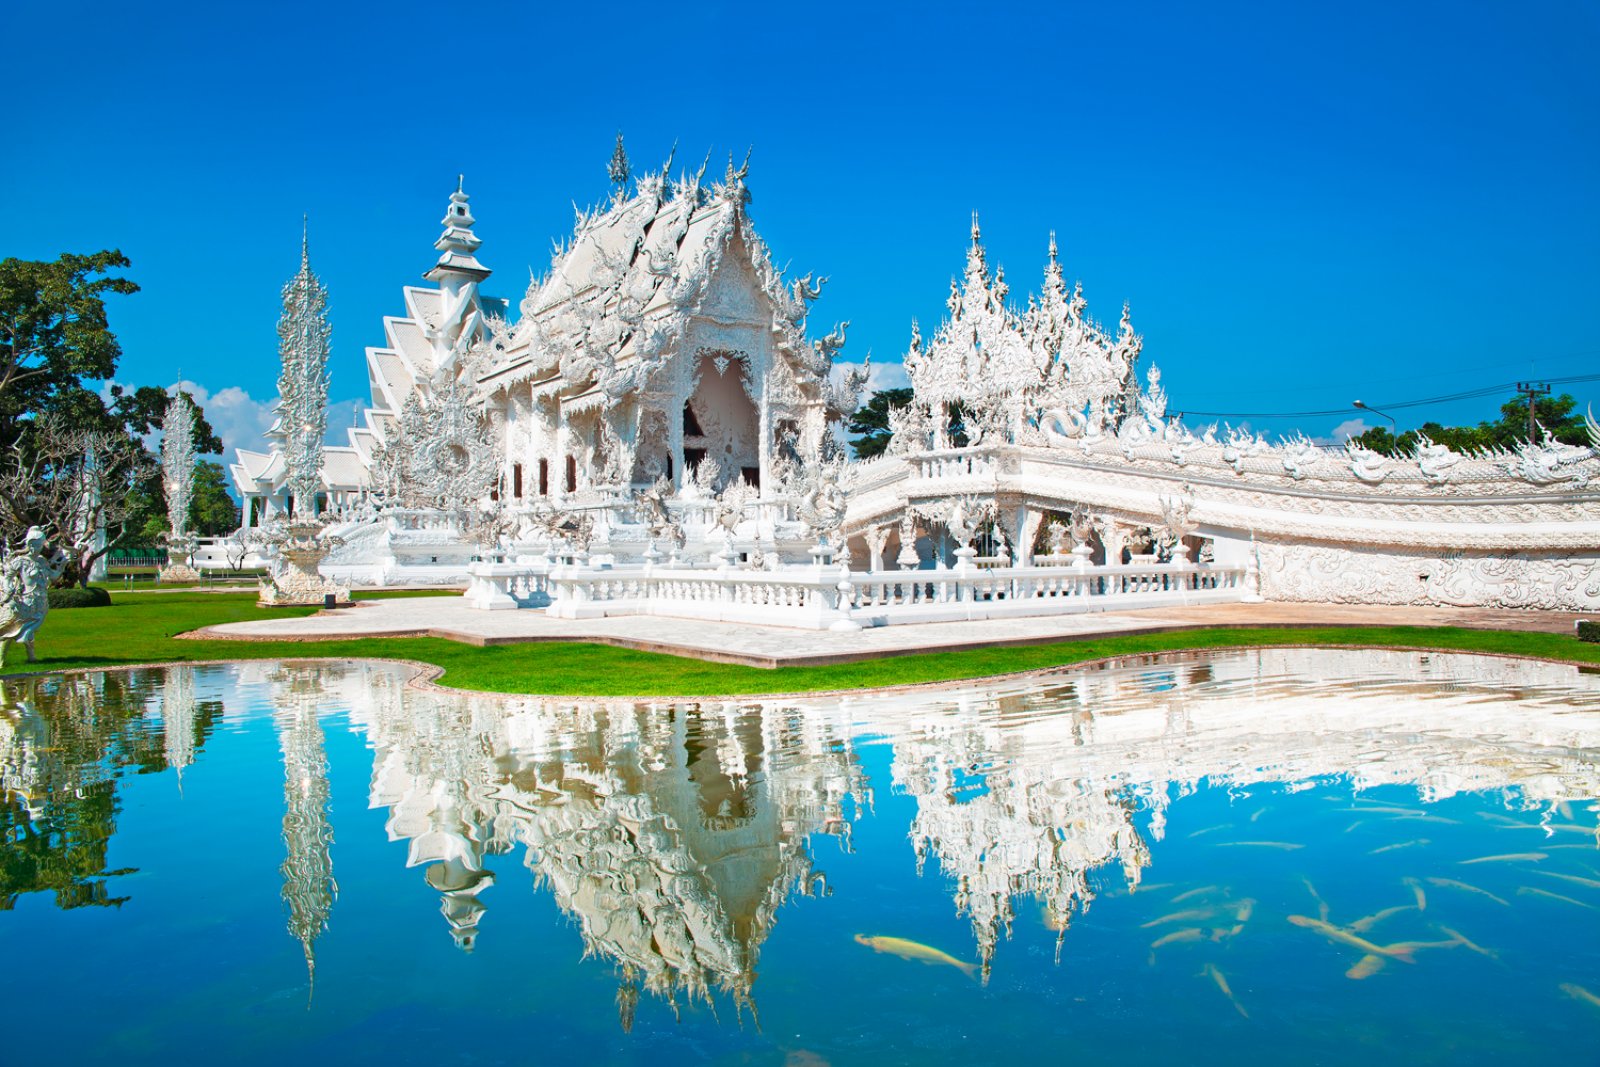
(1589, 631)
(79, 597)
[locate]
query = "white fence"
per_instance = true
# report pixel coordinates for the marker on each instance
(830, 597)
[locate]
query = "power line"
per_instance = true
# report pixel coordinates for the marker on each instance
(1471, 394)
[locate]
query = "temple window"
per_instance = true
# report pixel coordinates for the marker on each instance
(516, 481)
(544, 477)
(572, 474)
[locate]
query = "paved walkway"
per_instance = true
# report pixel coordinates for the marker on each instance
(771, 646)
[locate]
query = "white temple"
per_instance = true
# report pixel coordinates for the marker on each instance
(655, 430)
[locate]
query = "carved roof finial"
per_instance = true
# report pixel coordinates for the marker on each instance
(1054, 256)
(618, 170)
(458, 245)
(305, 241)
(977, 266)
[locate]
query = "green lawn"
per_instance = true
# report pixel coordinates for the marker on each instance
(139, 628)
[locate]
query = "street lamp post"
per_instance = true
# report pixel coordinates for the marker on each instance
(1394, 427)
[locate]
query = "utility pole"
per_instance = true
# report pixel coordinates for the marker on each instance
(1532, 390)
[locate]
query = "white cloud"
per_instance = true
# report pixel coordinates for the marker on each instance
(879, 376)
(1343, 432)
(239, 418)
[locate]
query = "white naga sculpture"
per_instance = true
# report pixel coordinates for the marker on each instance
(177, 481)
(25, 578)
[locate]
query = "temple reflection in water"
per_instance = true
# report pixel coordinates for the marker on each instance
(672, 833)
(64, 742)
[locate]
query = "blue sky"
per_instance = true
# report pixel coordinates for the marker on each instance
(1304, 206)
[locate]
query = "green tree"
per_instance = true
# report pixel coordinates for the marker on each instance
(1558, 415)
(53, 331)
(871, 420)
(212, 512)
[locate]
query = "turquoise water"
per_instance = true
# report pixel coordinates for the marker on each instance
(1313, 855)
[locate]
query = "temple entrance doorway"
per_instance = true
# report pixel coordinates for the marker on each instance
(721, 423)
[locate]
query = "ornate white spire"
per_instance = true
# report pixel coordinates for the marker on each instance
(458, 273)
(977, 265)
(1053, 281)
(618, 170)
(457, 245)
(308, 886)
(177, 461)
(177, 719)
(303, 335)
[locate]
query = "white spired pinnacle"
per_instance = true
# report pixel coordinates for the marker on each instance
(458, 273)
(303, 334)
(177, 461)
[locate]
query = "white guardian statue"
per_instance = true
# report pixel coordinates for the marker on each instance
(25, 576)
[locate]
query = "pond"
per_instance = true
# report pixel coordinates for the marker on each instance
(1192, 858)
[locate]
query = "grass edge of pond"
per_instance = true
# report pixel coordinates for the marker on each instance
(141, 631)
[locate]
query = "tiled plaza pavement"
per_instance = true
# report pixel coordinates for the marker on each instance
(764, 646)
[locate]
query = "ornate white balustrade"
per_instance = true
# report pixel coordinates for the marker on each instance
(506, 586)
(954, 463)
(423, 520)
(825, 597)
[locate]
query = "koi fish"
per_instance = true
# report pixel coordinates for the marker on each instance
(1503, 819)
(1190, 915)
(915, 952)
(1451, 883)
(1366, 967)
(1509, 857)
(1243, 910)
(1576, 879)
(1398, 845)
(1577, 992)
(1345, 937)
(1222, 984)
(1177, 936)
(1181, 897)
(1219, 934)
(1361, 926)
(1322, 905)
(1287, 846)
(1416, 891)
(1529, 891)
(1409, 948)
(1464, 940)
(1212, 829)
